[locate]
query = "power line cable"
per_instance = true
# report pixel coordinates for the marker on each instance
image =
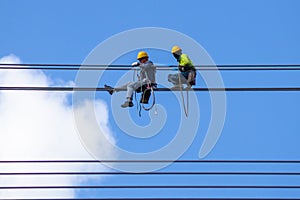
(154, 161)
(129, 67)
(165, 198)
(152, 187)
(126, 67)
(100, 89)
(152, 173)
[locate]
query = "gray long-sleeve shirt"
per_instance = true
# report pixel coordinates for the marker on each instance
(148, 72)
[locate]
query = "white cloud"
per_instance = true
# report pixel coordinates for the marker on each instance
(10, 59)
(40, 126)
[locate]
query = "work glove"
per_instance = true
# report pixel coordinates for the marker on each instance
(135, 64)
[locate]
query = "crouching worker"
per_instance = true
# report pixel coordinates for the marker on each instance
(146, 79)
(187, 70)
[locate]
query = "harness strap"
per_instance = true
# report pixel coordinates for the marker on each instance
(149, 86)
(153, 96)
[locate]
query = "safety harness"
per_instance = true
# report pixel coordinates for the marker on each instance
(147, 89)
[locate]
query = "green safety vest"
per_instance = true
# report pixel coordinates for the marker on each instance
(185, 61)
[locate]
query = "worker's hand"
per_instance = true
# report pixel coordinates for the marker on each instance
(135, 64)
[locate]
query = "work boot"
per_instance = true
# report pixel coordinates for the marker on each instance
(109, 89)
(127, 104)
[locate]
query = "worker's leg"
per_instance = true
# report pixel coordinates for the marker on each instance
(112, 90)
(177, 80)
(173, 78)
(191, 79)
(131, 87)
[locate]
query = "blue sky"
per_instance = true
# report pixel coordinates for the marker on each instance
(232, 31)
(258, 125)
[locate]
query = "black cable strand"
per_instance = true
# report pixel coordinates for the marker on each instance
(155, 161)
(46, 66)
(152, 187)
(152, 173)
(82, 89)
(165, 198)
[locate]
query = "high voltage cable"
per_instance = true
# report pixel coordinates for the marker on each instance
(293, 67)
(119, 188)
(163, 198)
(154, 161)
(152, 173)
(128, 67)
(85, 89)
(152, 187)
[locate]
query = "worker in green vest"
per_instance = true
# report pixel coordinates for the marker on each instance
(187, 70)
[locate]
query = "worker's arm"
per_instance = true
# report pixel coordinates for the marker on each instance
(135, 64)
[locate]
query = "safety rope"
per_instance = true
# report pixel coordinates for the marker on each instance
(185, 106)
(138, 105)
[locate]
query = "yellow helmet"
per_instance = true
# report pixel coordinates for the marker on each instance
(176, 49)
(142, 54)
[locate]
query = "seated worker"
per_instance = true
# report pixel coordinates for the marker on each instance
(187, 70)
(147, 76)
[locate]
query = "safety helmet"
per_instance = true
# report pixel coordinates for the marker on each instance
(176, 49)
(142, 54)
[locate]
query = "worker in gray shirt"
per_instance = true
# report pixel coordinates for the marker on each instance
(146, 77)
